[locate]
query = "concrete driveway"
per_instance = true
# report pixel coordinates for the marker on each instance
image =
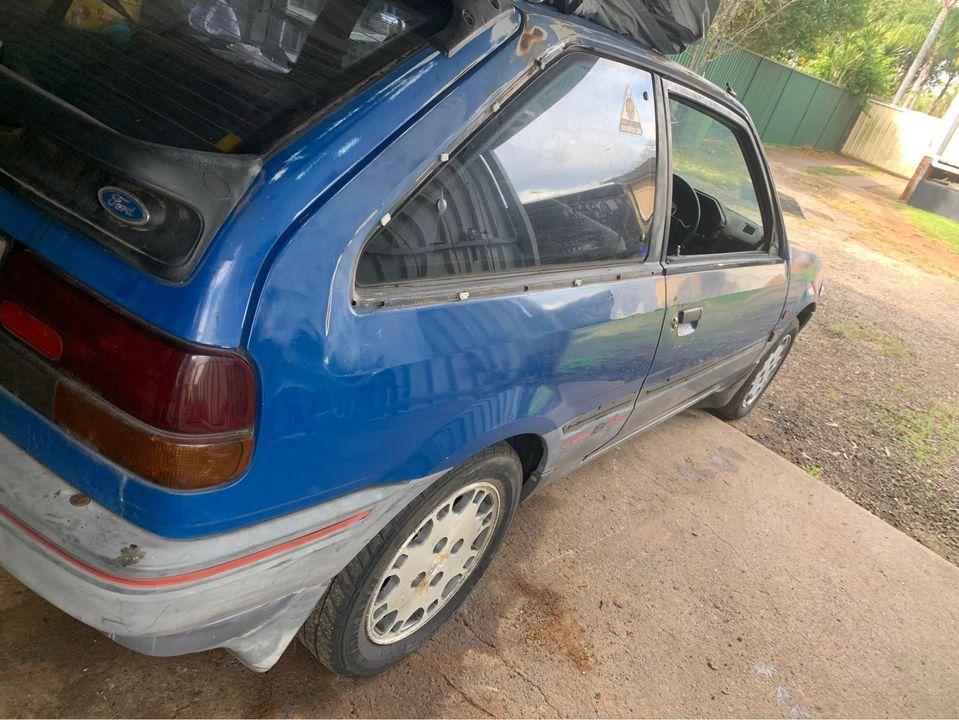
(692, 572)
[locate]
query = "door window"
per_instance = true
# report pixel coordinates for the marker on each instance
(715, 206)
(565, 175)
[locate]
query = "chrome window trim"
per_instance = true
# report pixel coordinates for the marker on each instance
(418, 293)
(698, 263)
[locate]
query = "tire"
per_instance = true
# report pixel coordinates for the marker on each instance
(747, 397)
(350, 632)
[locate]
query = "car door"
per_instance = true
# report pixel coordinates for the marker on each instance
(726, 273)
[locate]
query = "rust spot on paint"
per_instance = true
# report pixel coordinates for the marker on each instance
(530, 39)
(80, 499)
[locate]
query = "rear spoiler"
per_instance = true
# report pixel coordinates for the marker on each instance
(667, 26)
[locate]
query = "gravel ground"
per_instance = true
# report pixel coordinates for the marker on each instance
(869, 400)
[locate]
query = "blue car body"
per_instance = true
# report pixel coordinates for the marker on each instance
(355, 394)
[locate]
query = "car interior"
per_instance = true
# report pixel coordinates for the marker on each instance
(715, 204)
(229, 76)
(701, 225)
(469, 220)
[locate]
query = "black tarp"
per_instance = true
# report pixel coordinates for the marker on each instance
(666, 25)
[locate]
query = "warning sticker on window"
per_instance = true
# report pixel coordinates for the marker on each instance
(629, 122)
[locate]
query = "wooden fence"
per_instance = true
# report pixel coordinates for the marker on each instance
(893, 138)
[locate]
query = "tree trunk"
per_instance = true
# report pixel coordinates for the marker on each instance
(923, 52)
(916, 90)
(942, 93)
(706, 48)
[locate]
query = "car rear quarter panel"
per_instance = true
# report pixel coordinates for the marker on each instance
(805, 282)
(354, 396)
(214, 306)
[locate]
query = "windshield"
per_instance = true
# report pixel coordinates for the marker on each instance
(228, 76)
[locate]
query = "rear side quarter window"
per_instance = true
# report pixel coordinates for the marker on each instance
(564, 176)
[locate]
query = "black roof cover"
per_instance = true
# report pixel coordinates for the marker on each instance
(667, 25)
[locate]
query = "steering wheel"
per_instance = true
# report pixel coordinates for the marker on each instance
(686, 214)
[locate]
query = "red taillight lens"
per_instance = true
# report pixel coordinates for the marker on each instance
(165, 383)
(178, 414)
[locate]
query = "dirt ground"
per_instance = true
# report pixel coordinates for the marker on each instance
(707, 579)
(869, 400)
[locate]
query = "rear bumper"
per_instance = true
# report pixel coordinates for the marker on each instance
(247, 591)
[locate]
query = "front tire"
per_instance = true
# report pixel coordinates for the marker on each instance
(747, 397)
(418, 570)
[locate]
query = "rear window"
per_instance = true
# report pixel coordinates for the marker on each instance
(228, 76)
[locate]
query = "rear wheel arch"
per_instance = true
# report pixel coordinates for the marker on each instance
(531, 451)
(337, 631)
(805, 315)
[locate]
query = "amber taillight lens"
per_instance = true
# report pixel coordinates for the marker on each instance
(181, 462)
(177, 414)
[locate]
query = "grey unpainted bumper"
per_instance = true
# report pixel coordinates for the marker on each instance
(247, 591)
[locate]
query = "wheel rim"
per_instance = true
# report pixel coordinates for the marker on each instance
(767, 371)
(433, 563)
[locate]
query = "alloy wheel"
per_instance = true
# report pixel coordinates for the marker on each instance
(433, 562)
(768, 371)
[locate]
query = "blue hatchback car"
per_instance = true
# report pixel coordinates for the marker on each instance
(300, 298)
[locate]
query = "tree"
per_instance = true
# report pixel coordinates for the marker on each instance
(938, 73)
(781, 29)
(795, 32)
(924, 51)
(710, 46)
(864, 61)
(874, 57)
(947, 91)
(936, 101)
(867, 46)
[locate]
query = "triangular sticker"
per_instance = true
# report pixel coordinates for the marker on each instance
(629, 121)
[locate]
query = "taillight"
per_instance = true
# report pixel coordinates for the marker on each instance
(184, 462)
(175, 413)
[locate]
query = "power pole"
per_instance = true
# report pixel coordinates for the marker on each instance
(924, 51)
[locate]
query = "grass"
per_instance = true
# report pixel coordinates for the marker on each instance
(890, 346)
(839, 171)
(935, 226)
(813, 470)
(892, 241)
(931, 434)
(829, 170)
(703, 166)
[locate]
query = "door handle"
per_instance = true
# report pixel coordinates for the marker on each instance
(690, 315)
(686, 321)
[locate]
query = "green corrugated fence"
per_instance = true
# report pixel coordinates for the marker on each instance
(789, 107)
